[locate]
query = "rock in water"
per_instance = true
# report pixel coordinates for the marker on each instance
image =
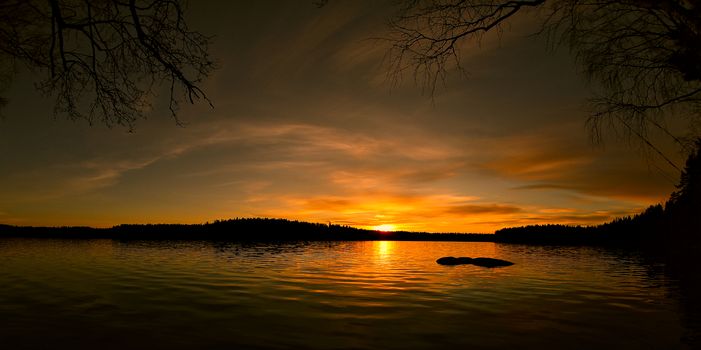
(484, 262)
(449, 260)
(489, 262)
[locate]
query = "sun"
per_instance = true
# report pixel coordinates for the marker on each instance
(385, 228)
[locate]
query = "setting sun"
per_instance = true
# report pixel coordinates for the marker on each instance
(268, 174)
(385, 228)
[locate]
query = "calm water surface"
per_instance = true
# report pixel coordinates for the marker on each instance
(107, 294)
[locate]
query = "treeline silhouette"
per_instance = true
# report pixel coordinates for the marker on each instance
(239, 229)
(677, 221)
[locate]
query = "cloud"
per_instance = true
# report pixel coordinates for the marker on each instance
(540, 156)
(323, 173)
(556, 163)
(304, 129)
(429, 212)
(471, 209)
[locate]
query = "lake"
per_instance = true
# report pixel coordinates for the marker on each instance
(107, 294)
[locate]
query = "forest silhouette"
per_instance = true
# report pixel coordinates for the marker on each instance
(104, 62)
(645, 74)
(676, 221)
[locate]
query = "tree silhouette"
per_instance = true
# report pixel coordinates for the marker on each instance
(684, 204)
(644, 54)
(103, 59)
(689, 187)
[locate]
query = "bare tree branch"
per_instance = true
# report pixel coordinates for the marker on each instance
(104, 58)
(645, 55)
(426, 34)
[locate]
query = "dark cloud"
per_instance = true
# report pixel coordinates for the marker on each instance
(305, 127)
(475, 209)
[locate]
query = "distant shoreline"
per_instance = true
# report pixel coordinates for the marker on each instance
(676, 223)
(246, 229)
(281, 230)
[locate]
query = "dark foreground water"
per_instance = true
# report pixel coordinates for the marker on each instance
(103, 294)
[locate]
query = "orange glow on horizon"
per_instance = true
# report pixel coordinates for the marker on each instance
(385, 228)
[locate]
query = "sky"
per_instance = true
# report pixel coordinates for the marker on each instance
(305, 126)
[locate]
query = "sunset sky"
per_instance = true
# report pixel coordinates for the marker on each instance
(306, 127)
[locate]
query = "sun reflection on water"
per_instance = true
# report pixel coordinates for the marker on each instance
(236, 294)
(384, 249)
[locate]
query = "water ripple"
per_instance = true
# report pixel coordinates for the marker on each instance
(341, 295)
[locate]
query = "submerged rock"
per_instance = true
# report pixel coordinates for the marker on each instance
(484, 262)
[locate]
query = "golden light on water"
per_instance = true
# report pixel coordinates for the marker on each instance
(384, 248)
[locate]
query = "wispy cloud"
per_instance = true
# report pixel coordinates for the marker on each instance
(305, 128)
(472, 209)
(548, 162)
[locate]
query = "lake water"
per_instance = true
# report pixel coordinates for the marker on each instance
(104, 294)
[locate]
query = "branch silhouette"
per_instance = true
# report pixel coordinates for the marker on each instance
(645, 56)
(104, 59)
